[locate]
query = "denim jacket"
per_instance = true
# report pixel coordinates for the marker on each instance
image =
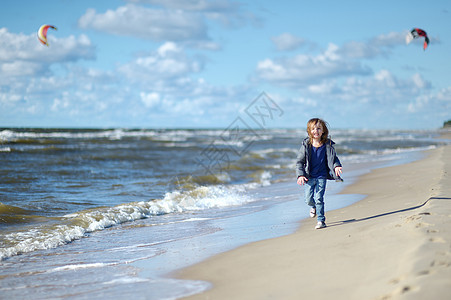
(304, 158)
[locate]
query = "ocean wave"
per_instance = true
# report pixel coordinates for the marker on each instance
(171, 135)
(10, 215)
(375, 155)
(80, 266)
(30, 136)
(59, 231)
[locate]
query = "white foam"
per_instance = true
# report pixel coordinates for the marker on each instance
(195, 220)
(265, 178)
(126, 280)
(39, 239)
(51, 236)
(112, 134)
(382, 155)
(79, 266)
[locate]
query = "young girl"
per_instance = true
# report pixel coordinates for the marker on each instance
(317, 161)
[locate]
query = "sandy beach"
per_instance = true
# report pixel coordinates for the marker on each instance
(394, 244)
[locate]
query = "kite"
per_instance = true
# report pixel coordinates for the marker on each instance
(416, 33)
(42, 33)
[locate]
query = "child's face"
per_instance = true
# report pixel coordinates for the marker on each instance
(317, 131)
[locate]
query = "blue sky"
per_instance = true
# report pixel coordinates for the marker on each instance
(200, 63)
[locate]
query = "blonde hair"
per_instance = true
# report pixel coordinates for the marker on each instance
(315, 121)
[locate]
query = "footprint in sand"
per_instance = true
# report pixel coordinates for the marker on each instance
(437, 240)
(422, 273)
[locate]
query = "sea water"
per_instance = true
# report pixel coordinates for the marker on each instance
(87, 214)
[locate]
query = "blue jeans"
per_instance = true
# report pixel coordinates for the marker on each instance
(314, 196)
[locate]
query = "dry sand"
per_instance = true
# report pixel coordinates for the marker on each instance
(394, 244)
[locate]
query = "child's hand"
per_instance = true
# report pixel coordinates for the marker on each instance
(302, 180)
(338, 171)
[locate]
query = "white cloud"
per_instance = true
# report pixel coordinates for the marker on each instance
(375, 47)
(301, 70)
(137, 93)
(390, 40)
(386, 79)
(59, 104)
(325, 87)
(24, 56)
(287, 41)
(445, 95)
(168, 48)
(306, 102)
(20, 68)
(227, 13)
(420, 82)
(168, 62)
(150, 99)
(147, 23)
(419, 103)
(441, 101)
(27, 48)
(180, 21)
(380, 100)
(10, 97)
(383, 88)
(194, 5)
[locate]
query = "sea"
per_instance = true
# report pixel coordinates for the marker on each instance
(94, 213)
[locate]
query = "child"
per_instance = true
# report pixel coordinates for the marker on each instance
(317, 161)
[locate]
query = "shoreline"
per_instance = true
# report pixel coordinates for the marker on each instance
(393, 244)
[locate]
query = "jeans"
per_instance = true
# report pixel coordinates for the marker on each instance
(314, 196)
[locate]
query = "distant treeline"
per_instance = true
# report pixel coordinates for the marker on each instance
(447, 123)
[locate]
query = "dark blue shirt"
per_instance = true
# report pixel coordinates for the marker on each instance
(318, 162)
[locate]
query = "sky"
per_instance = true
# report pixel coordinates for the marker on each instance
(204, 64)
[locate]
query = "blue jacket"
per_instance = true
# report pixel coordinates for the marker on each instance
(304, 158)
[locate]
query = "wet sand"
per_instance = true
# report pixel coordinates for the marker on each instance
(394, 244)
